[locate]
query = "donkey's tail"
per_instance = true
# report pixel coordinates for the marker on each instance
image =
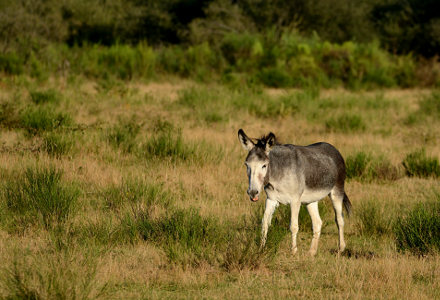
(347, 204)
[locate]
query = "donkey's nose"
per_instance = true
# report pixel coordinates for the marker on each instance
(253, 194)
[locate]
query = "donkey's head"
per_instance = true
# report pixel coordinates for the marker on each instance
(257, 161)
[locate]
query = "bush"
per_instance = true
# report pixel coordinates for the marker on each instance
(418, 230)
(39, 196)
(420, 165)
(11, 64)
(274, 77)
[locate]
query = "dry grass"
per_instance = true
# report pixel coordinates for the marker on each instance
(46, 261)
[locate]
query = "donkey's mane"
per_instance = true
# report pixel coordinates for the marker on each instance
(262, 141)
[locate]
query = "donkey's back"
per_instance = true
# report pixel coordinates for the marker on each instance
(316, 167)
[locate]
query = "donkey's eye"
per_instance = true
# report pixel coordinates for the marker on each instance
(264, 166)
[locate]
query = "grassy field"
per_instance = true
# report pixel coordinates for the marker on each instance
(115, 189)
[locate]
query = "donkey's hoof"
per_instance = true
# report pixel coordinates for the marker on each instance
(312, 253)
(294, 250)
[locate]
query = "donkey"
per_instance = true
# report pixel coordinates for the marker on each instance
(296, 175)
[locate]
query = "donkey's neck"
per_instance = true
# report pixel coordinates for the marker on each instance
(266, 182)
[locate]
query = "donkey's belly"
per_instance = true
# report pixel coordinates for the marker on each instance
(310, 196)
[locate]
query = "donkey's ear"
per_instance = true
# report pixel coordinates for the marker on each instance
(270, 142)
(245, 141)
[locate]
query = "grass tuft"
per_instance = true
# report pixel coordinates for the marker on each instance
(39, 196)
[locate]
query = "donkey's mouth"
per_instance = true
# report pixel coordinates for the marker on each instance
(255, 199)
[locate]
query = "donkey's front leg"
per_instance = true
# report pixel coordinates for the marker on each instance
(267, 218)
(294, 212)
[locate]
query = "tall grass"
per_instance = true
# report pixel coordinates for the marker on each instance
(38, 196)
(418, 230)
(418, 164)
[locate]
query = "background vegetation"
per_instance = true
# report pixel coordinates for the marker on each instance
(276, 43)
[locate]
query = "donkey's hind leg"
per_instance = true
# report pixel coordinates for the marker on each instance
(317, 224)
(337, 196)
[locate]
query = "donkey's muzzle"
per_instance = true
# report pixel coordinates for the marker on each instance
(253, 194)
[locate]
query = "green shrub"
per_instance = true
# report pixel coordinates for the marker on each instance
(274, 77)
(346, 123)
(39, 196)
(47, 96)
(39, 119)
(418, 230)
(57, 144)
(419, 164)
(11, 63)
